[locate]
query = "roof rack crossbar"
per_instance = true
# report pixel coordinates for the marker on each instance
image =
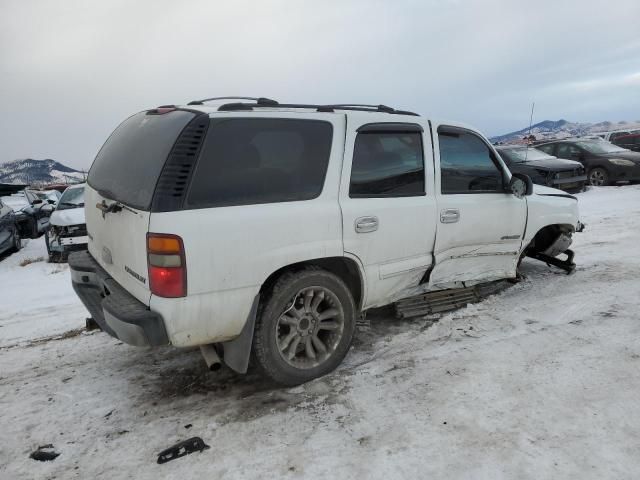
(258, 100)
(319, 108)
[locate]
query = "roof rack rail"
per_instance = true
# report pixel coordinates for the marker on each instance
(259, 100)
(239, 106)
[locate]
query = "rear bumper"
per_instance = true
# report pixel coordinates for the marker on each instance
(113, 308)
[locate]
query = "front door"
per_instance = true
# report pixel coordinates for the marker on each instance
(388, 215)
(480, 223)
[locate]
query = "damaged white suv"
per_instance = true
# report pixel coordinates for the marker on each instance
(267, 228)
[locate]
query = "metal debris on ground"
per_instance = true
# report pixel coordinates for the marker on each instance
(194, 444)
(445, 300)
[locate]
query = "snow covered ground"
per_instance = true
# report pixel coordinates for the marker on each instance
(540, 381)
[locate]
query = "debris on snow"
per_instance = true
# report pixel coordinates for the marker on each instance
(193, 444)
(45, 453)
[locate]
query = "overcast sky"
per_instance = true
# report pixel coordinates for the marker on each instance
(72, 70)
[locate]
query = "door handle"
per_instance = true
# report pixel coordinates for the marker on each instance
(366, 224)
(449, 215)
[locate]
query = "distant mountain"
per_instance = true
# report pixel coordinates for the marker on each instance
(550, 129)
(30, 171)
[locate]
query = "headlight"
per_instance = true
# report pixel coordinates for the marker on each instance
(622, 162)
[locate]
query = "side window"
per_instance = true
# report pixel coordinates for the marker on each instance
(566, 150)
(387, 164)
(467, 164)
(548, 149)
(617, 135)
(248, 161)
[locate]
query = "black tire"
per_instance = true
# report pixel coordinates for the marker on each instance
(280, 300)
(46, 242)
(17, 241)
(598, 177)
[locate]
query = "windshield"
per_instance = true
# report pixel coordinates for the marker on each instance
(71, 198)
(599, 146)
(520, 155)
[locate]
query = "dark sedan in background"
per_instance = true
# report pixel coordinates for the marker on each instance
(543, 168)
(605, 162)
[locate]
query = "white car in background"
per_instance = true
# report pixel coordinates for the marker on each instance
(67, 229)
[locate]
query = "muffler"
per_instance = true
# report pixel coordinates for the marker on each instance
(211, 357)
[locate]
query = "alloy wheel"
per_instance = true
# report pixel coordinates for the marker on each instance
(310, 329)
(597, 177)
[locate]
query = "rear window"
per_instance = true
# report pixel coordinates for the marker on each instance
(128, 165)
(261, 160)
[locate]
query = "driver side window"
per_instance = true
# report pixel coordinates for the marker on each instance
(568, 151)
(467, 165)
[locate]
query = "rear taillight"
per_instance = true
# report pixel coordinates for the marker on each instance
(167, 265)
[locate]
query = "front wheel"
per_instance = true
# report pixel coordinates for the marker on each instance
(17, 241)
(305, 327)
(598, 177)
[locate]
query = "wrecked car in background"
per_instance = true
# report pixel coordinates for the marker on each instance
(49, 196)
(544, 169)
(31, 212)
(67, 230)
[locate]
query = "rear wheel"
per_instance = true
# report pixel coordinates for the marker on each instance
(598, 177)
(305, 327)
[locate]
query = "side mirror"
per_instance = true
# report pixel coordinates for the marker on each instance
(521, 185)
(51, 202)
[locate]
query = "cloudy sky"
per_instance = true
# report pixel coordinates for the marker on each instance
(72, 70)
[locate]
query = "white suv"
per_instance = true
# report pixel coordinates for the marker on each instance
(268, 228)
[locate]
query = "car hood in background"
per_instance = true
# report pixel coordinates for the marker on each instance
(542, 190)
(69, 216)
(552, 163)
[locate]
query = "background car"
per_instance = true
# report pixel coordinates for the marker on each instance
(9, 235)
(67, 230)
(50, 196)
(630, 141)
(31, 213)
(605, 162)
(543, 168)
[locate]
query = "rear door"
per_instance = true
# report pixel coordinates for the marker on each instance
(120, 189)
(480, 223)
(388, 204)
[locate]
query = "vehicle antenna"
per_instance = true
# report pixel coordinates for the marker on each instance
(526, 152)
